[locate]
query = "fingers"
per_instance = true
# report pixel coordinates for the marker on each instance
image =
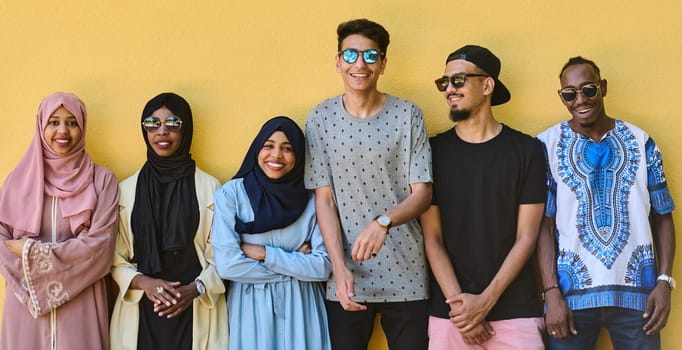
(459, 298)
(305, 248)
(563, 329)
(171, 288)
(657, 309)
(161, 307)
(363, 251)
(175, 310)
(345, 292)
(478, 335)
(159, 295)
(488, 329)
(461, 322)
(369, 242)
(183, 302)
(466, 327)
(348, 304)
(571, 324)
(657, 320)
(163, 292)
(559, 331)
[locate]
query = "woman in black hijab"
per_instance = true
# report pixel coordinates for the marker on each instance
(171, 295)
(268, 245)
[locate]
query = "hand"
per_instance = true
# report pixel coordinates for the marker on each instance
(657, 308)
(187, 294)
(345, 291)
(253, 251)
(16, 246)
(305, 248)
(479, 334)
(157, 290)
(368, 243)
(468, 310)
(558, 318)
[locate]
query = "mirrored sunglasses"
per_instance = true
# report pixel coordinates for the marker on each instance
(570, 94)
(457, 80)
(151, 124)
(369, 56)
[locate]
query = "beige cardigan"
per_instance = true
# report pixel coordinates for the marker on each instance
(210, 310)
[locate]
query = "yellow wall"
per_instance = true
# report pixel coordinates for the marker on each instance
(241, 62)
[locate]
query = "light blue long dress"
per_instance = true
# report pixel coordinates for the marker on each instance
(277, 303)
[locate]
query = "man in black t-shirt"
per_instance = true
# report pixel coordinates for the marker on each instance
(480, 231)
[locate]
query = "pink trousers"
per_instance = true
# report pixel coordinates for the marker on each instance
(518, 333)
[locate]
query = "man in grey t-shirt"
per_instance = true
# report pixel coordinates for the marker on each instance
(368, 160)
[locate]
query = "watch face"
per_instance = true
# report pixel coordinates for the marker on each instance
(668, 279)
(200, 288)
(384, 220)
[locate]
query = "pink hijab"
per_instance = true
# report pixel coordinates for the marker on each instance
(42, 172)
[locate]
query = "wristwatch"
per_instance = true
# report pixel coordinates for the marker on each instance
(668, 279)
(200, 287)
(384, 221)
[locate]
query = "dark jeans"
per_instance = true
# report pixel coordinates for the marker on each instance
(624, 326)
(404, 323)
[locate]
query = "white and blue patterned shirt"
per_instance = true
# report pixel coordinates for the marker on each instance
(600, 195)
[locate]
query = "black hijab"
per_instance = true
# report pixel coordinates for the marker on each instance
(276, 203)
(165, 215)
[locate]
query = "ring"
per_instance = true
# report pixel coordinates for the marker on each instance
(374, 255)
(159, 290)
(553, 332)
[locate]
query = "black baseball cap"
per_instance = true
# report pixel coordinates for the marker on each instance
(489, 63)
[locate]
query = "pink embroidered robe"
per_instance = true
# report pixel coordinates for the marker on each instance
(55, 295)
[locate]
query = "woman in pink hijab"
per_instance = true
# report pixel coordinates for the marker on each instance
(58, 219)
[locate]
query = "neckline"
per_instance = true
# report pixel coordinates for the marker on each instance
(369, 117)
(500, 126)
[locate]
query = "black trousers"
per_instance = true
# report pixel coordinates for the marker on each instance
(404, 323)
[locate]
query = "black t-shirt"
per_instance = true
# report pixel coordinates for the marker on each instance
(478, 189)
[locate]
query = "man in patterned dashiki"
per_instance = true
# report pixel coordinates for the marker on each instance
(607, 241)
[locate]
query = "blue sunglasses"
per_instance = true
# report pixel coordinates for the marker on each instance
(369, 56)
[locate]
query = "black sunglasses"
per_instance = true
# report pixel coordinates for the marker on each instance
(457, 80)
(151, 124)
(369, 56)
(570, 94)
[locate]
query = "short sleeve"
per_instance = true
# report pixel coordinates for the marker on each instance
(420, 152)
(535, 186)
(661, 200)
(316, 158)
(551, 186)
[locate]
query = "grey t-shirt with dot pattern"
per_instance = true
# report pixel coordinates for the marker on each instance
(370, 164)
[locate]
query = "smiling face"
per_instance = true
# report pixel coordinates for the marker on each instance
(470, 97)
(587, 112)
(360, 76)
(62, 132)
(276, 158)
(163, 142)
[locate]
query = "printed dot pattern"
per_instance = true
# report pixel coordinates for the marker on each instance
(370, 164)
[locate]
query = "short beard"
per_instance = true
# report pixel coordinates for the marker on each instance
(460, 115)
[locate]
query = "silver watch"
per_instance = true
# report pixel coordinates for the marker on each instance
(668, 279)
(200, 287)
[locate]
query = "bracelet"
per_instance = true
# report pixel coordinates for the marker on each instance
(544, 291)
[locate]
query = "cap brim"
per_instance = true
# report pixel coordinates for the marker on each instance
(500, 95)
